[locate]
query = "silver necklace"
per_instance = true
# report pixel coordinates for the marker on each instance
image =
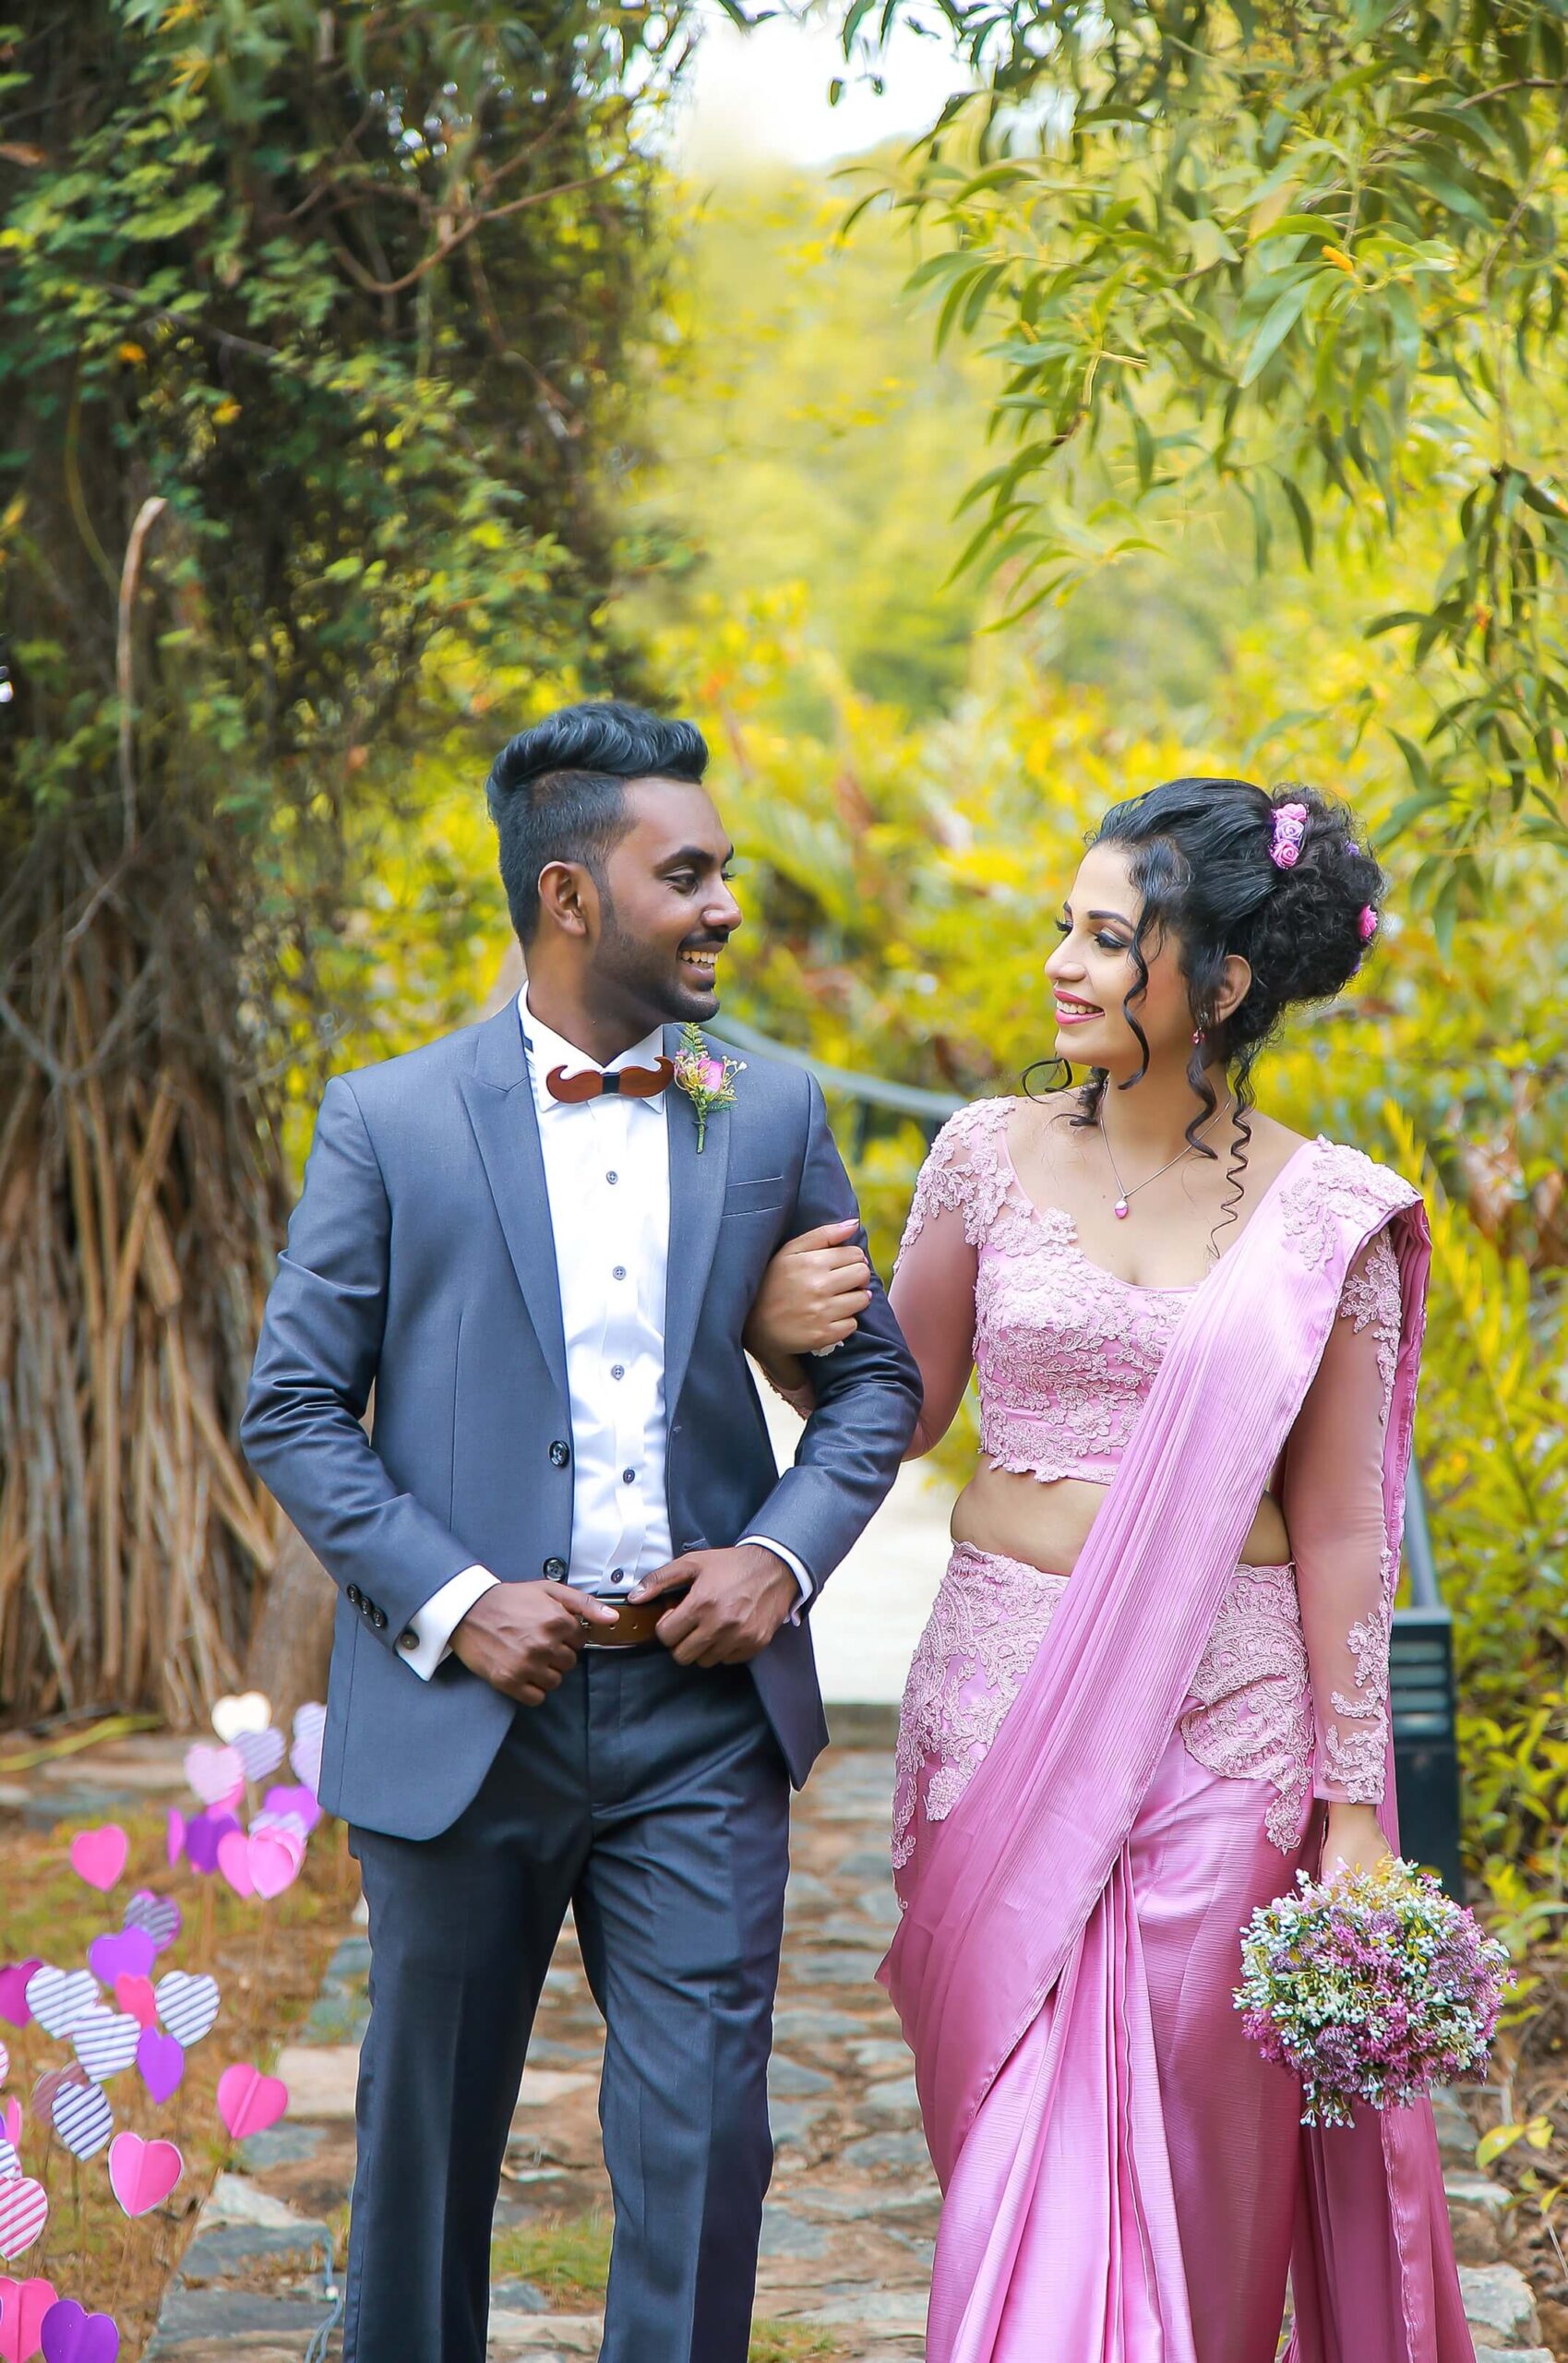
(1122, 1208)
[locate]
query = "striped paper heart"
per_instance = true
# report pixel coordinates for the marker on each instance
(259, 1752)
(5, 2063)
(186, 2005)
(58, 1997)
(105, 2041)
(24, 2210)
(83, 2119)
(305, 1752)
(158, 1914)
(49, 2084)
(10, 2165)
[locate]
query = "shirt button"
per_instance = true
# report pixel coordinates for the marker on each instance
(555, 1569)
(559, 1453)
(617, 1574)
(617, 1369)
(628, 1476)
(612, 1177)
(619, 1272)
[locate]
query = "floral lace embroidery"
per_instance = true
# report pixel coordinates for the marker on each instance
(961, 1173)
(1252, 1717)
(1372, 1294)
(1336, 1183)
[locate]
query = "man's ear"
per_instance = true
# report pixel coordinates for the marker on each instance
(568, 897)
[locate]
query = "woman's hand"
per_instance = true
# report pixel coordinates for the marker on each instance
(812, 1295)
(1353, 1841)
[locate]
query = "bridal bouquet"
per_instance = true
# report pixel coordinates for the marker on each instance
(1371, 1987)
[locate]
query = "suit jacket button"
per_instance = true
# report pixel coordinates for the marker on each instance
(379, 1618)
(353, 1596)
(559, 1455)
(556, 1569)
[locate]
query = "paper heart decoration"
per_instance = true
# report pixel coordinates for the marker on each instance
(305, 1752)
(130, 1953)
(83, 2119)
(161, 2062)
(58, 1997)
(215, 1773)
(158, 1914)
(135, 1995)
(68, 2333)
(11, 2121)
(99, 1855)
(296, 1803)
(233, 1861)
(11, 2164)
(14, 2004)
(186, 2005)
(250, 1711)
(23, 2305)
(263, 1864)
(5, 2063)
(259, 1752)
(202, 1835)
(105, 2041)
(50, 2083)
(142, 2174)
(249, 2102)
(24, 2210)
(174, 1836)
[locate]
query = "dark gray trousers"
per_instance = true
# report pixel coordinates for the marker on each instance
(654, 1798)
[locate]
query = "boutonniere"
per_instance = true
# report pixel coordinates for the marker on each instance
(708, 1082)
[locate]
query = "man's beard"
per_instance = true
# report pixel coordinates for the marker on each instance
(647, 976)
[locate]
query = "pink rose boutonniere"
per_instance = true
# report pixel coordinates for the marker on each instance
(708, 1082)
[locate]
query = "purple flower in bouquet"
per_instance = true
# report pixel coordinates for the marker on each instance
(1372, 1986)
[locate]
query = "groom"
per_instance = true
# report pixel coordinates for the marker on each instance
(570, 1665)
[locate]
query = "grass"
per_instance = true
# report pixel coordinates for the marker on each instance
(568, 2258)
(268, 1961)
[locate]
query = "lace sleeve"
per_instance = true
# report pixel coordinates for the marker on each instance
(1333, 1507)
(932, 1290)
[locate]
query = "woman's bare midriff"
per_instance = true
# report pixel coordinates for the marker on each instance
(1046, 1524)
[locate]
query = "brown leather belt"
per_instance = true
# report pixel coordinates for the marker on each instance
(637, 1621)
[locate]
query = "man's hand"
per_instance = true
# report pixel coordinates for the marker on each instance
(523, 1639)
(738, 1601)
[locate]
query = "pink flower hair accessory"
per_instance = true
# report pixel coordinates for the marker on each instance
(1367, 924)
(1290, 827)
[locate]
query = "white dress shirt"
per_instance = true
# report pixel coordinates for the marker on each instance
(607, 1175)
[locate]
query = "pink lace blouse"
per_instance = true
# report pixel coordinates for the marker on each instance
(1065, 1353)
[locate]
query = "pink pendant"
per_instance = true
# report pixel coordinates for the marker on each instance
(1120, 1210)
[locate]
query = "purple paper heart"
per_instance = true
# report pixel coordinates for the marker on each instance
(130, 1952)
(300, 1800)
(14, 2006)
(161, 2062)
(202, 1835)
(68, 2333)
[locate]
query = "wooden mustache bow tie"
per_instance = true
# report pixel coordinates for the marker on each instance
(625, 1083)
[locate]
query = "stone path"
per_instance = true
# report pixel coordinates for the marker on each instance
(847, 2237)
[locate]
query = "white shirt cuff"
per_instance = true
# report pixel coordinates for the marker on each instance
(794, 1566)
(428, 1637)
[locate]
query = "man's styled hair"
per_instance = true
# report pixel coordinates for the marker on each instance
(557, 792)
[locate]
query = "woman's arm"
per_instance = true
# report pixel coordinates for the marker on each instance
(1333, 1500)
(932, 1296)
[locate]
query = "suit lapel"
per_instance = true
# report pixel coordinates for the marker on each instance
(505, 1125)
(697, 1204)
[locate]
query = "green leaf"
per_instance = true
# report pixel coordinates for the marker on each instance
(1278, 321)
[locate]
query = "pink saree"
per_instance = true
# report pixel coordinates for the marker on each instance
(1031, 1973)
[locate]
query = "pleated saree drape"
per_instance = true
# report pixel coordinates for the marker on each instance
(998, 1895)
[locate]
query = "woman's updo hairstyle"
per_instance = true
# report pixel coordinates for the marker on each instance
(1203, 855)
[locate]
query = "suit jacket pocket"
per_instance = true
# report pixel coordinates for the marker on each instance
(763, 1196)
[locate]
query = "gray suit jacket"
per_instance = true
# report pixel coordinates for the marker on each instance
(420, 1259)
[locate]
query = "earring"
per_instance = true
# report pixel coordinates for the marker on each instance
(1200, 1035)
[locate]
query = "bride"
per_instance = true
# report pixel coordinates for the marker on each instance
(1155, 1682)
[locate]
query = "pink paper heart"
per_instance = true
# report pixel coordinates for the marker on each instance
(129, 1952)
(135, 1997)
(70, 2334)
(233, 1861)
(249, 2102)
(142, 2174)
(14, 2006)
(161, 2062)
(23, 2305)
(275, 1859)
(215, 1773)
(174, 1836)
(24, 2210)
(99, 1855)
